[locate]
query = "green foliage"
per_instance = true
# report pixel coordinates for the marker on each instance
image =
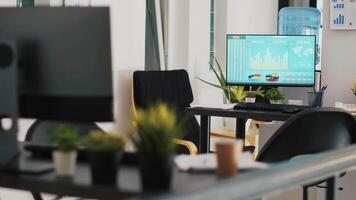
(156, 128)
(255, 93)
(104, 142)
(65, 138)
(274, 94)
(234, 94)
(353, 88)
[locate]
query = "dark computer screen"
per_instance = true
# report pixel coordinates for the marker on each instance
(272, 60)
(64, 60)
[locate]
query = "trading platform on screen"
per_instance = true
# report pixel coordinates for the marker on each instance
(270, 60)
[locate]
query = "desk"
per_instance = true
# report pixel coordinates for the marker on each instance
(240, 115)
(80, 185)
(247, 185)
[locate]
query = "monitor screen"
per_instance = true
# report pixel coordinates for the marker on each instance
(64, 61)
(272, 60)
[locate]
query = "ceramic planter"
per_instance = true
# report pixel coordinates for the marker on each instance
(64, 162)
(156, 171)
(250, 99)
(276, 101)
(104, 166)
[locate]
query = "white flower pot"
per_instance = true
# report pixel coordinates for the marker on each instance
(250, 99)
(64, 162)
(276, 101)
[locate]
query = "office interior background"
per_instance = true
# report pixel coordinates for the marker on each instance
(192, 31)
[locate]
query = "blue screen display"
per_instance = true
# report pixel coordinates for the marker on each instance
(270, 60)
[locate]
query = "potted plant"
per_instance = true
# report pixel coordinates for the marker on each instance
(155, 130)
(274, 96)
(65, 139)
(252, 94)
(233, 94)
(104, 154)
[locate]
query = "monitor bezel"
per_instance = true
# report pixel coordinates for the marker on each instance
(267, 84)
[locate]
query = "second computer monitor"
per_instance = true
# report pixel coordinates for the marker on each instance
(271, 60)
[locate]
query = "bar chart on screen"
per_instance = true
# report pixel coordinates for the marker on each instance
(343, 14)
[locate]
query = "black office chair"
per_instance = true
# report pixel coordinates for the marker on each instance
(38, 134)
(311, 131)
(171, 87)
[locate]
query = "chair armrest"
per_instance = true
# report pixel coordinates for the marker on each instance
(258, 122)
(193, 150)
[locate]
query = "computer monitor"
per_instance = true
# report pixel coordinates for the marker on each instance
(270, 60)
(64, 60)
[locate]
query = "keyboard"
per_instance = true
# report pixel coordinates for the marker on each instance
(271, 107)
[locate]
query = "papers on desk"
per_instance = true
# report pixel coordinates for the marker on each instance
(207, 162)
(218, 106)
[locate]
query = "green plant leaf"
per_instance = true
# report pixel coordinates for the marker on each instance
(220, 70)
(65, 138)
(220, 79)
(214, 85)
(156, 129)
(104, 142)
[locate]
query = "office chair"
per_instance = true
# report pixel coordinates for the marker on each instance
(38, 133)
(171, 87)
(311, 131)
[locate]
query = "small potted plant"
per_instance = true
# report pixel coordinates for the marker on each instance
(274, 96)
(65, 139)
(156, 128)
(104, 154)
(252, 94)
(233, 94)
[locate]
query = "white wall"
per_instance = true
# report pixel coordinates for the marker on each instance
(338, 60)
(243, 17)
(188, 47)
(253, 16)
(4, 3)
(128, 18)
(178, 34)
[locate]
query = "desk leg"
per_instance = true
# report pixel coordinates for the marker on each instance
(331, 188)
(204, 137)
(36, 196)
(240, 129)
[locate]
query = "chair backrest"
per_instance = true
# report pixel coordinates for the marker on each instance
(171, 87)
(38, 131)
(310, 131)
